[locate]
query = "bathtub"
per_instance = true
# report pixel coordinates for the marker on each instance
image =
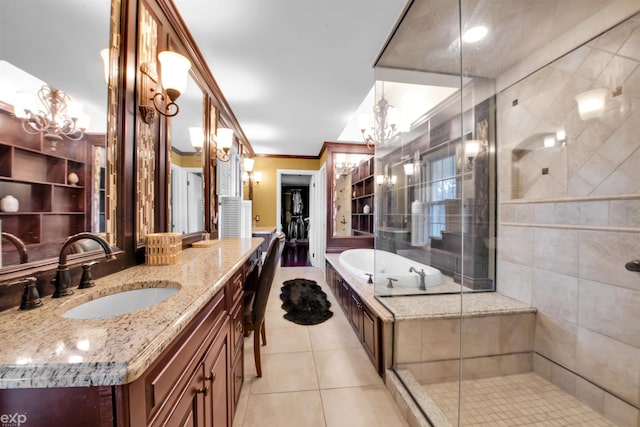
(360, 262)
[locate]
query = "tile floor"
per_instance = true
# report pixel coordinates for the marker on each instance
(512, 400)
(312, 376)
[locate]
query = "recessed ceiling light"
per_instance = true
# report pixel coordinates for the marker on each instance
(475, 34)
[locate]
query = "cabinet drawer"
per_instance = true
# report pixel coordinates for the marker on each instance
(235, 288)
(171, 373)
(237, 325)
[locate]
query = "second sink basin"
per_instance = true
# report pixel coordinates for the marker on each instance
(122, 302)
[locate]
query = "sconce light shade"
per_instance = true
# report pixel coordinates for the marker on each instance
(379, 179)
(549, 141)
(175, 70)
(248, 164)
(245, 176)
(591, 103)
(224, 138)
(196, 135)
(471, 148)
(257, 177)
(408, 168)
(104, 54)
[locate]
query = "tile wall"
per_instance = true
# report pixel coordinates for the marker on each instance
(564, 236)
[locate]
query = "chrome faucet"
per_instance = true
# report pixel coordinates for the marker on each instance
(19, 244)
(422, 275)
(62, 282)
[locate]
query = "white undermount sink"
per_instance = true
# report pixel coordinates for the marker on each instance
(123, 302)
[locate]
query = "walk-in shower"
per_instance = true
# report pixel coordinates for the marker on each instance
(491, 171)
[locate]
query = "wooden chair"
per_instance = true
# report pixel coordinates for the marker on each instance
(255, 303)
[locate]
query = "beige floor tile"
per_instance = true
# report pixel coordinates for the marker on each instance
(287, 340)
(283, 372)
(334, 334)
(345, 368)
(296, 409)
(369, 406)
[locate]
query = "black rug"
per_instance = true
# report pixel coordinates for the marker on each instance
(305, 302)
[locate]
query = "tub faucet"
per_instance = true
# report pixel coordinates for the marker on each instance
(19, 244)
(422, 274)
(62, 281)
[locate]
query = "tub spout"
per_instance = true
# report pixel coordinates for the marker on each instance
(422, 274)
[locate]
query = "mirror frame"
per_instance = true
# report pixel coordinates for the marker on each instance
(339, 244)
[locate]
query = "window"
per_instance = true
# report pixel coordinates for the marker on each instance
(442, 181)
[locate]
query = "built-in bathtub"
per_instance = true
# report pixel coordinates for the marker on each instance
(384, 265)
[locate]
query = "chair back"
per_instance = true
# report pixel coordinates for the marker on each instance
(265, 280)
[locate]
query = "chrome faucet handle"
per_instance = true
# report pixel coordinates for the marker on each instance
(390, 283)
(370, 277)
(86, 281)
(31, 297)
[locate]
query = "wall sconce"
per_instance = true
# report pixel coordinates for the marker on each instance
(257, 178)
(591, 104)
(196, 135)
(408, 168)
(175, 69)
(224, 141)
(61, 117)
(248, 163)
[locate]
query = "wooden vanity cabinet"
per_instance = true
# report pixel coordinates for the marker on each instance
(363, 319)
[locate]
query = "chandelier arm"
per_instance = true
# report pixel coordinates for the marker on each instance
(170, 106)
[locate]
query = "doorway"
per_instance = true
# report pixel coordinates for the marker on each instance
(295, 216)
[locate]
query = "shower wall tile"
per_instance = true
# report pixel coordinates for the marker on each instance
(491, 366)
(556, 250)
(604, 254)
(556, 339)
(609, 363)
(516, 333)
(590, 394)
(408, 343)
(480, 336)
(556, 294)
(515, 281)
(440, 339)
(515, 244)
(610, 310)
(563, 379)
(620, 412)
(594, 212)
(625, 213)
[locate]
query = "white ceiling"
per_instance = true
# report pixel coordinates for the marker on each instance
(293, 71)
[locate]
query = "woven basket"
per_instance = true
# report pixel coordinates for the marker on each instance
(163, 248)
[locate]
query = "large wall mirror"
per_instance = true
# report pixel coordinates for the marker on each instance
(187, 188)
(50, 187)
(350, 196)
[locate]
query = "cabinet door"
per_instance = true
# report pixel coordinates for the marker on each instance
(215, 368)
(356, 314)
(188, 410)
(370, 335)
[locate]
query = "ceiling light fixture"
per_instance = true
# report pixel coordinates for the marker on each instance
(224, 141)
(385, 127)
(61, 117)
(475, 34)
(174, 72)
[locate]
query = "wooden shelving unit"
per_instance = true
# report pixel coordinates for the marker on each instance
(362, 189)
(50, 209)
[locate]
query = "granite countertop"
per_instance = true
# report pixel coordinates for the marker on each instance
(390, 307)
(40, 348)
(267, 229)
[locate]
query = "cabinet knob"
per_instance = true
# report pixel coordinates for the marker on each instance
(211, 377)
(204, 390)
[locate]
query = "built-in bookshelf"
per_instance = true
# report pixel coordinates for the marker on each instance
(362, 198)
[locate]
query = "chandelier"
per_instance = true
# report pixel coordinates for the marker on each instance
(385, 123)
(59, 118)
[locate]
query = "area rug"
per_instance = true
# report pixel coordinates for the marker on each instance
(305, 302)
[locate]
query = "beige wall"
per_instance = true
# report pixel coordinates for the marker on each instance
(564, 237)
(264, 196)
